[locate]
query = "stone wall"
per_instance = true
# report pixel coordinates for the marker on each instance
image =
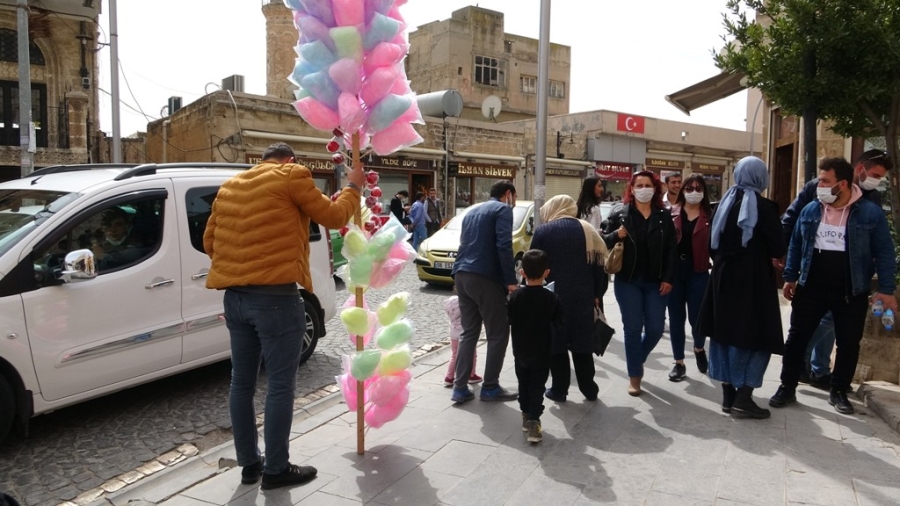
(879, 352)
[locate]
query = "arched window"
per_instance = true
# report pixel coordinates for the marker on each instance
(9, 48)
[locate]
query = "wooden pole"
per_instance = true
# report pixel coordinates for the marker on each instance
(360, 391)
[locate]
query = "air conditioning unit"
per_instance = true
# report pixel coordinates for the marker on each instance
(174, 104)
(233, 83)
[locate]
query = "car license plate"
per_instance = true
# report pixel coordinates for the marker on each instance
(443, 265)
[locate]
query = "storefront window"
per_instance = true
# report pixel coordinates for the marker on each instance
(324, 184)
(463, 192)
(713, 186)
(390, 184)
(482, 189)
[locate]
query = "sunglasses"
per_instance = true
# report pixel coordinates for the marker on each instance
(692, 189)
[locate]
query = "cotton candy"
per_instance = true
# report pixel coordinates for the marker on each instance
(361, 271)
(394, 361)
(349, 12)
(317, 114)
(321, 9)
(311, 30)
(322, 87)
(355, 243)
(401, 87)
(386, 112)
(317, 54)
(394, 335)
(376, 416)
(348, 390)
(381, 29)
(363, 365)
(294, 5)
(394, 138)
(352, 115)
(383, 54)
(356, 320)
(346, 73)
(347, 43)
(302, 68)
(377, 85)
(384, 389)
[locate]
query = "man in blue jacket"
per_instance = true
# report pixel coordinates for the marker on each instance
(869, 172)
(484, 273)
(838, 244)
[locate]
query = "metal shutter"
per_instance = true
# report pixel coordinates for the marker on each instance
(557, 185)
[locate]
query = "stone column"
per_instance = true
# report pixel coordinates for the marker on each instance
(76, 103)
(281, 38)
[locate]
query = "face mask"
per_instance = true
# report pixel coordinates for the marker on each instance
(644, 195)
(693, 198)
(116, 242)
(825, 196)
(870, 183)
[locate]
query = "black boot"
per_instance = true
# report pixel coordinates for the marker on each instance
(728, 393)
(744, 407)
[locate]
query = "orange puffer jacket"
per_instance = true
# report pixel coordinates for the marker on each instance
(258, 233)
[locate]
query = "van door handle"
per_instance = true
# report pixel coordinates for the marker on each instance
(202, 275)
(158, 284)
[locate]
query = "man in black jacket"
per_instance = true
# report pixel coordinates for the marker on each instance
(869, 172)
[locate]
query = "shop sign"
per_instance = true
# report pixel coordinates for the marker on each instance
(708, 167)
(465, 169)
(564, 172)
(398, 163)
(313, 164)
(614, 171)
(659, 163)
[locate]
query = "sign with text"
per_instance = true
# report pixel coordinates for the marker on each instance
(630, 123)
(661, 163)
(614, 171)
(708, 167)
(466, 169)
(398, 163)
(564, 172)
(313, 164)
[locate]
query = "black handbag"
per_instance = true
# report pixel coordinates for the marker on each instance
(602, 333)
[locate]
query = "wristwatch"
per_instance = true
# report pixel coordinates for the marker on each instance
(352, 186)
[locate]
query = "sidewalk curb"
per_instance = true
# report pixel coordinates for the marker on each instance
(883, 399)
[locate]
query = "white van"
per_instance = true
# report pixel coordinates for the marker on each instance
(68, 334)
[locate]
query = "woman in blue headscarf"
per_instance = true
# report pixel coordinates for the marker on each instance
(740, 311)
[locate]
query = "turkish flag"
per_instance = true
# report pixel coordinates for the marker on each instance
(630, 123)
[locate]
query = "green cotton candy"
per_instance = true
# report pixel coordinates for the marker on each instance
(392, 362)
(355, 244)
(364, 364)
(347, 43)
(394, 335)
(380, 246)
(356, 320)
(361, 270)
(393, 309)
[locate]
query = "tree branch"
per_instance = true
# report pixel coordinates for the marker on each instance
(870, 113)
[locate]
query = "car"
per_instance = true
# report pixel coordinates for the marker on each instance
(436, 254)
(77, 322)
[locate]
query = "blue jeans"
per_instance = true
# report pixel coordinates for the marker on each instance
(643, 318)
(687, 290)
(270, 327)
(420, 233)
(820, 346)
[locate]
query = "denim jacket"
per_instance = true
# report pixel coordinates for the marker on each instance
(868, 243)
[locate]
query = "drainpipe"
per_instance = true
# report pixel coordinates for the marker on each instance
(165, 143)
(25, 134)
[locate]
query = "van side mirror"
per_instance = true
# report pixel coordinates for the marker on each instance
(529, 227)
(79, 265)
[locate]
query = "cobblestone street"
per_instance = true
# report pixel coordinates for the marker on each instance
(78, 448)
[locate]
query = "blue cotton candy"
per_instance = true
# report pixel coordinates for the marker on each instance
(302, 68)
(294, 5)
(380, 6)
(322, 88)
(381, 29)
(321, 9)
(311, 30)
(387, 111)
(300, 93)
(317, 54)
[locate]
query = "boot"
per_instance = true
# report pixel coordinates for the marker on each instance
(744, 407)
(728, 393)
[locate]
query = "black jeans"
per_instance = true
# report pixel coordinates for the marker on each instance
(584, 374)
(531, 388)
(810, 304)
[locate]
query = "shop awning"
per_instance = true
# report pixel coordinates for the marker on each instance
(706, 92)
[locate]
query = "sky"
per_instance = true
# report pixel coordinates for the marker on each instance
(626, 55)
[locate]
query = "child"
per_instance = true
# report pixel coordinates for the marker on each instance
(534, 315)
(451, 306)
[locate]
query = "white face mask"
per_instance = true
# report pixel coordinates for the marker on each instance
(644, 195)
(870, 183)
(824, 194)
(693, 198)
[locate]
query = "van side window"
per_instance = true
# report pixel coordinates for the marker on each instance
(199, 207)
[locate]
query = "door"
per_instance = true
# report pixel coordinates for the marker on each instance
(782, 191)
(125, 325)
(206, 336)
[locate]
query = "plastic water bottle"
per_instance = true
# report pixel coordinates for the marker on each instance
(888, 320)
(877, 308)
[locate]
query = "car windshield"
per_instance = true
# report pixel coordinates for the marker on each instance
(23, 210)
(519, 213)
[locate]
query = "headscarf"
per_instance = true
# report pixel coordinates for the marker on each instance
(750, 175)
(563, 206)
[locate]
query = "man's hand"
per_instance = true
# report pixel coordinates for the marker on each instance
(623, 232)
(665, 288)
(889, 301)
(357, 177)
(789, 290)
(512, 288)
(778, 263)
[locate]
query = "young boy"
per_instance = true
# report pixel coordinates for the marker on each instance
(535, 313)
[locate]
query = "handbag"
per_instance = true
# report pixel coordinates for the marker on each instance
(612, 264)
(602, 332)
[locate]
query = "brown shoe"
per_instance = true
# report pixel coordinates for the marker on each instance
(634, 386)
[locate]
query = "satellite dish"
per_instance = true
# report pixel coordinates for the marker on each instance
(491, 107)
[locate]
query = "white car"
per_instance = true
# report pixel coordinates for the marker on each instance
(80, 317)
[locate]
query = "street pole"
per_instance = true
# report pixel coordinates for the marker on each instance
(543, 91)
(114, 65)
(25, 140)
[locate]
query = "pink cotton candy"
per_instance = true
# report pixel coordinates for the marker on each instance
(386, 388)
(395, 137)
(376, 416)
(383, 55)
(385, 273)
(346, 74)
(378, 84)
(349, 12)
(317, 114)
(401, 87)
(352, 115)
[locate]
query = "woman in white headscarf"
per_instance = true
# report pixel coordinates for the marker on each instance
(740, 311)
(576, 252)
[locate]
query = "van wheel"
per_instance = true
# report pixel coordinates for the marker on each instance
(313, 331)
(7, 407)
(519, 279)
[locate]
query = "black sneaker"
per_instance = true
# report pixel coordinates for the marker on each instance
(823, 381)
(841, 403)
(251, 474)
(498, 394)
(553, 396)
(678, 373)
(804, 377)
(783, 397)
(702, 361)
(293, 475)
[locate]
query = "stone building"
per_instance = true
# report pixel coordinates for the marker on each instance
(63, 64)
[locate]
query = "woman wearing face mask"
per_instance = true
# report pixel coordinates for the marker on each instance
(648, 267)
(691, 215)
(740, 311)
